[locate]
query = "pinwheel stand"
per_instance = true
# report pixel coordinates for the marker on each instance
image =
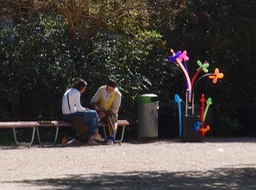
(192, 122)
(188, 132)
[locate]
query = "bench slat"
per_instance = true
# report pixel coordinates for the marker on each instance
(19, 124)
(27, 124)
(66, 124)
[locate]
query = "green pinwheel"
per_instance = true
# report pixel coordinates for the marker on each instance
(202, 67)
(208, 103)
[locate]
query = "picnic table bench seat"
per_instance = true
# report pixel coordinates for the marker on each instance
(36, 125)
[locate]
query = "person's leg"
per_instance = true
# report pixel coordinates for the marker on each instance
(67, 117)
(77, 140)
(112, 127)
(91, 119)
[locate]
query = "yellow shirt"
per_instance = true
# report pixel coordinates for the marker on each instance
(106, 101)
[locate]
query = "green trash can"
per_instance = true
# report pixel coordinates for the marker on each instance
(148, 116)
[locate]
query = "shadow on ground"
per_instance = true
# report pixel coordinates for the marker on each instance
(221, 178)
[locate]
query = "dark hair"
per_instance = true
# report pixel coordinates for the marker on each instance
(79, 84)
(111, 83)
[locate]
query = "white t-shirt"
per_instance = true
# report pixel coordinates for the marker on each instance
(74, 102)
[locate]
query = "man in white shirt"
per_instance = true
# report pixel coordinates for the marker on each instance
(71, 106)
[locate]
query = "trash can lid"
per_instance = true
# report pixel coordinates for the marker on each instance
(147, 98)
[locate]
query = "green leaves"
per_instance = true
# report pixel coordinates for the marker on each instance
(43, 47)
(33, 68)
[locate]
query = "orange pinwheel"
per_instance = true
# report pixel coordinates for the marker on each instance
(204, 130)
(216, 75)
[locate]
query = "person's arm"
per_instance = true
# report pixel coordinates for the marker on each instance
(77, 102)
(117, 102)
(65, 108)
(95, 99)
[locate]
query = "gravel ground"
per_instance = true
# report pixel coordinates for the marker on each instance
(216, 163)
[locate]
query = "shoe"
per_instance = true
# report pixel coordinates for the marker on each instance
(98, 137)
(74, 142)
(110, 141)
(93, 142)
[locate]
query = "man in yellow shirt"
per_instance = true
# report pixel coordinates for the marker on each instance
(107, 101)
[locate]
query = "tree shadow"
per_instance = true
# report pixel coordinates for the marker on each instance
(220, 178)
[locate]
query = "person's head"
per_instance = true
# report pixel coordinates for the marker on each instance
(80, 85)
(110, 87)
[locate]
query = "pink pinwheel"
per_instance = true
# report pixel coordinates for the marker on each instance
(183, 57)
(216, 75)
(179, 58)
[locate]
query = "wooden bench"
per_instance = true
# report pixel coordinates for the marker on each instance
(36, 125)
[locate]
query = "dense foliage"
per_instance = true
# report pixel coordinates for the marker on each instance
(47, 45)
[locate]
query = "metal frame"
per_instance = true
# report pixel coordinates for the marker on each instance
(122, 133)
(35, 125)
(47, 143)
(26, 144)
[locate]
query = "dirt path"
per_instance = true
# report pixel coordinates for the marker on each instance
(170, 164)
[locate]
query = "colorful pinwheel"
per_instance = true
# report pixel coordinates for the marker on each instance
(174, 56)
(208, 103)
(216, 75)
(196, 126)
(183, 56)
(202, 67)
(204, 130)
(179, 57)
(202, 100)
(178, 100)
